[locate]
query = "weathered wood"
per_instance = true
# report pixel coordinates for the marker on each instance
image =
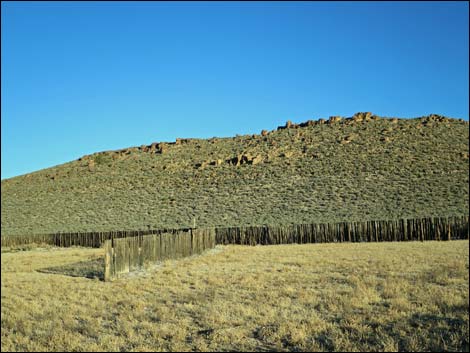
(107, 261)
(128, 254)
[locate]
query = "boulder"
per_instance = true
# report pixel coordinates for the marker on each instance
(236, 161)
(288, 125)
(244, 158)
(153, 147)
(162, 147)
(307, 123)
(362, 116)
(334, 119)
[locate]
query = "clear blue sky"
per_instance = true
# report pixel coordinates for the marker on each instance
(82, 77)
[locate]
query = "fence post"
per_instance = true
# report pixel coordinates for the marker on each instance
(107, 260)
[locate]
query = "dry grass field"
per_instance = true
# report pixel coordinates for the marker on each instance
(320, 297)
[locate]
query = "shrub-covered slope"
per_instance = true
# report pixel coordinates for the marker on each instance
(352, 169)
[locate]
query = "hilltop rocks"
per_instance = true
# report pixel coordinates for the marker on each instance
(239, 159)
(362, 116)
(159, 147)
(162, 147)
(121, 154)
(334, 119)
(182, 141)
(434, 118)
(288, 125)
(245, 158)
(307, 123)
(264, 133)
(155, 147)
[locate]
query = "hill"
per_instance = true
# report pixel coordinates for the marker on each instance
(341, 169)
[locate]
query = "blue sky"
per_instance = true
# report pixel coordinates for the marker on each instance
(82, 77)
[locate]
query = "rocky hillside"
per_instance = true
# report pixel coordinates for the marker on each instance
(340, 169)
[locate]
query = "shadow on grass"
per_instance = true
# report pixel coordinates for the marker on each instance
(89, 269)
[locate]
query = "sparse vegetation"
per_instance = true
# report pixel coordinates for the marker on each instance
(363, 168)
(315, 297)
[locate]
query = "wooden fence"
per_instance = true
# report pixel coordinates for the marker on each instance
(368, 231)
(129, 250)
(85, 239)
(124, 255)
(391, 230)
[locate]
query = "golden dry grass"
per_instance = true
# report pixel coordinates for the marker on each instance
(319, 297)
